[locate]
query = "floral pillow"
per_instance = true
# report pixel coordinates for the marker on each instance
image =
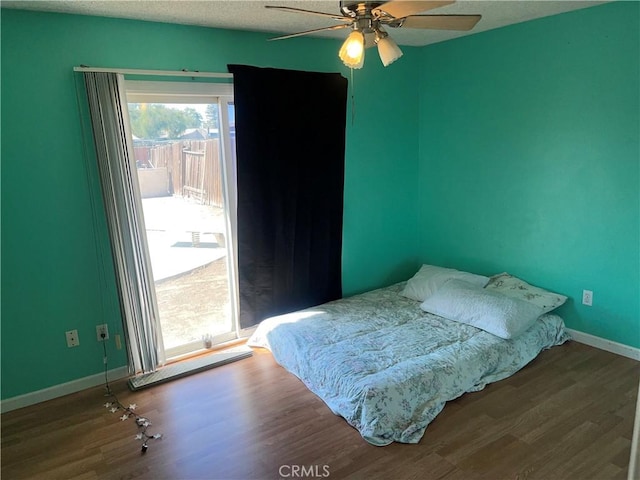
(515, 288)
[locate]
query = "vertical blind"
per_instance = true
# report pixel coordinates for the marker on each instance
(121, 198)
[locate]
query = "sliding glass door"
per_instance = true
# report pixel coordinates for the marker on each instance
(184, 145)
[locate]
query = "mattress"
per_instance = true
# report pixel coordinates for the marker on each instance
(387, 367)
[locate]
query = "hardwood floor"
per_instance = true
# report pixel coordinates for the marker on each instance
(567, 415)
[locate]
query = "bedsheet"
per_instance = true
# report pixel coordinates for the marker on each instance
(387, 367)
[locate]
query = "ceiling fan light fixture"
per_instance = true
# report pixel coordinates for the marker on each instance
(366, 20)
(387, 48)
(352, 51)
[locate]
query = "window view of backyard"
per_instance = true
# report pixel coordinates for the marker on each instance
(177, 153)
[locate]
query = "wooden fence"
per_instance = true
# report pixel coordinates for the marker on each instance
(193, 168)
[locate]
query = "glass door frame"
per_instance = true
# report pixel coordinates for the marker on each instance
(144, 91)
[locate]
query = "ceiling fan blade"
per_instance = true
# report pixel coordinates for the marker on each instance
(440, 22)
(291, 35)
(402, 8)
(300, 10)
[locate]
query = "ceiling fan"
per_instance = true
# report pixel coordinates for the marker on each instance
(368, 19)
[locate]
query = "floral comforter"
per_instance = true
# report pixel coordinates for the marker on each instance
(387, 367)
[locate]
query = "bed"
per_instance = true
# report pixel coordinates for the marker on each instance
(387, 366)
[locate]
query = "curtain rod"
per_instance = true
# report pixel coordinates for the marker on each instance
(160, 73)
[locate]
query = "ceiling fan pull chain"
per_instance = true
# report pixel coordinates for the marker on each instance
(353, 99)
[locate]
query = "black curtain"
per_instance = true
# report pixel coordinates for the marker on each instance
(290, 140)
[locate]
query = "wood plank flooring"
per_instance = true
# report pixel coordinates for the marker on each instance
(567, 415)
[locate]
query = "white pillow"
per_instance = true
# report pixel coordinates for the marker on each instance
(515, 288)
(491, 311)
(430, 278)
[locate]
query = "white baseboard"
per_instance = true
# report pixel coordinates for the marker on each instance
(604, 344)
(56, 391)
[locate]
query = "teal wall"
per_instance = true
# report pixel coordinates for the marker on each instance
(529, 160)
(56, 272)
(514, 149)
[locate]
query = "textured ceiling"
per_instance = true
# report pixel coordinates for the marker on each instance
(251, 15)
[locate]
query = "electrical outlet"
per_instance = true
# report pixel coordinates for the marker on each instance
(102, 332)
(587, 297)
(72, 338)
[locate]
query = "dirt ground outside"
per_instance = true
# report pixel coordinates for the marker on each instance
(193, 303)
